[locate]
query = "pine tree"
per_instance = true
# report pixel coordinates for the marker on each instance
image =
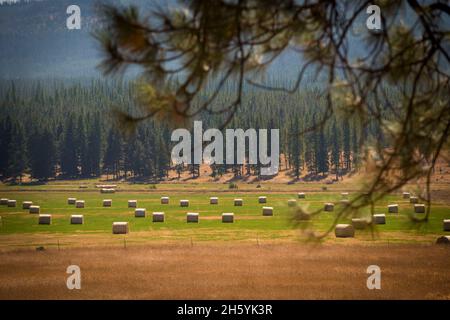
(68, 156)
(93, 155)
(81, 148)
(346, 144)
(113, 154)
(335, 149)
(42, 154)
(17, 160)
(5, 140)
(322, 153)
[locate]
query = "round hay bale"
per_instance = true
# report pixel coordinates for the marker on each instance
(292, 203)
(107, 202)
(132, 203)
(413, 199)
(192, 217)
(359, 224)
(35, 209)
(27, 204)
(328, 207)
(45, 219)
(76, 219)
(443, 240)
(406, 195)
(184, 203)
(344, 195)
(164, 200)
(344, 202)
(238, 202)
(4, 201)
(120, 228)
(12, 203)
(213, 200)
(158, 216)
(393, 208)
(301, 195)
(262, 199)
(344, 231)
(228, 217)
(419, 208)
(379, 218)
(267, 211)
(79, 204)
(446, 224)
(139, 213)
(71, 200)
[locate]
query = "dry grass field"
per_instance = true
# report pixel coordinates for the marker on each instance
(229, 271)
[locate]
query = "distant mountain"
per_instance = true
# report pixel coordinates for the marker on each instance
(35, 42)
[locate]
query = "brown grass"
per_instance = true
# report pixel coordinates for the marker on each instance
(228, 271)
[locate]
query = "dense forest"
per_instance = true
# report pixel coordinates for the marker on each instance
(65, 129)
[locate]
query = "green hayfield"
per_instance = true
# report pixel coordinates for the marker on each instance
(248, 218)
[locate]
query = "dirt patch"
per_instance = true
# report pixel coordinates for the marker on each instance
(223, 271)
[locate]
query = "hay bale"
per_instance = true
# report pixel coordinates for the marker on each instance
(158, 216)
(379, 218)
(227, 217)
(344, 231)
(238, 202)
(139, 213)
(262, 199)
(71, 200)
(106, 186)
(192, 217)
(12, 203)
(45, 219)
(184, 203)
(4, 201)
(132, 203)
(443, 240)
(359, 224)
(393, 208)
(120, 228)
(267, 211)
(419, 208)
(27, 204)
(344, 202)
(79, 204)
(344, 195)
(413, 199)
(406, 195)
(446, 224)
(107, 190)
(213, 200)
(328, 206)
(107, 202)
(35, 209)
(164, 200)
(301, 195)
(292, 203)
(76, 219)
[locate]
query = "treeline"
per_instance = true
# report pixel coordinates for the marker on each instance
(53, 129)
